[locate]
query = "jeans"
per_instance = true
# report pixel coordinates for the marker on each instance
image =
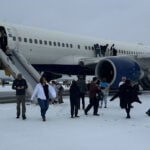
(44, 104)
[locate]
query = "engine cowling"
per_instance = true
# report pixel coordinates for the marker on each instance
(113, 68)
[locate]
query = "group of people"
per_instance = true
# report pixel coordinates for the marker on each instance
(98, 94)
(100, 50)
(97, 91)
(43, 92)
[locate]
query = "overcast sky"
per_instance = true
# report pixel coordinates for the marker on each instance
(121, 20)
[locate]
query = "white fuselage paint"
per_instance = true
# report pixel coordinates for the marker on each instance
(46, 54)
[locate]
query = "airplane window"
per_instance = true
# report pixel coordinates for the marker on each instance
(30, 40)
(54, 43)
(67, 45)
(14, 38)
(78, 46)
(35, 41)
(71, 45)
(86, 47)
(45, 42)
(19, 39)
(92, 48)
(89, 47)
(40, 41)
(58, 44)
(63, 45)
(25, 39)
(50, 43)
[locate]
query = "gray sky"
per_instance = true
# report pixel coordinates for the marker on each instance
(121, 20)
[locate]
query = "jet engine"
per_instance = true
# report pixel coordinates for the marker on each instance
(113, 68)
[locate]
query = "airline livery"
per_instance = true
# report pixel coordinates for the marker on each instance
(54, 53)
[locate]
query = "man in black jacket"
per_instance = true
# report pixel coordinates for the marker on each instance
(127, 95)
(20, 85)
(74, 99)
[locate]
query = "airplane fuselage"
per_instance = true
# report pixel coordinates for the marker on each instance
(63, 53)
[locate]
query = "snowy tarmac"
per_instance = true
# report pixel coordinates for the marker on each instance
(109, 131)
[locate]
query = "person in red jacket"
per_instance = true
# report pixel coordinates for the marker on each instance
(94, 101)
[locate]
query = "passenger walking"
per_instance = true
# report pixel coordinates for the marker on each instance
(74, 99)
(83, 89)
(20, 85)
(105, 90)
(60, 94)
(127, 96)
(43, 92)
(94, 101)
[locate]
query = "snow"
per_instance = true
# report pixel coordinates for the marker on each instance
(109, 131)
(5, 88)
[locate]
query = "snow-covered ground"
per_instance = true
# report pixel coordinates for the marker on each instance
(109, 131)
(6, 88)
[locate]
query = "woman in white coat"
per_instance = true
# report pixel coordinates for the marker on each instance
(43, 92)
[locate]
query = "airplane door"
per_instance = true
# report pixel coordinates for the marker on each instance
(12, 38)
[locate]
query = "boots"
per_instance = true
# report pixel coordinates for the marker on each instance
(24, 117)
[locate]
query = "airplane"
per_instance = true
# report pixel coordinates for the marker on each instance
(56, 53)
